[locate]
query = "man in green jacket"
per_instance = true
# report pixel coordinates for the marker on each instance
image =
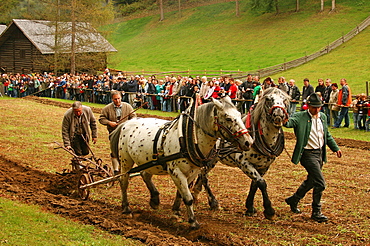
(311, 131)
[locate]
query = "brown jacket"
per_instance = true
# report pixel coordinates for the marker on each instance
(69, 122)
(109, 114)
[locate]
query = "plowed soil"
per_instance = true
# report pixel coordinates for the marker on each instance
(345, 201)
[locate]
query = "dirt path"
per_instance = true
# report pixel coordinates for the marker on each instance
(345, 202)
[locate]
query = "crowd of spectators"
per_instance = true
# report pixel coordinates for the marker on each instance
(172, 92)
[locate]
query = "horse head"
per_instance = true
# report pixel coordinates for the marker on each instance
(229, 125)
(273, 104)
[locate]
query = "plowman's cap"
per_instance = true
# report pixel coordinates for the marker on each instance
(314, 100)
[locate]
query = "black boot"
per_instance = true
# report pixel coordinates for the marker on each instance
(318, 216)
(316, 205)
(293, 203)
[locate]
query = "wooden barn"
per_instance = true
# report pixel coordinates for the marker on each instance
(2, 28)
(34, 46)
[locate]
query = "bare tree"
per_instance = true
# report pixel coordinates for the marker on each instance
(332, 6)
(276, 2)
(297, 6)
(70, 36)
(161, 10)
(237, 8)
(73, 38)
(179, 2)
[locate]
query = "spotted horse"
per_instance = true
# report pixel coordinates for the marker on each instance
(264, 123)
(179, 148)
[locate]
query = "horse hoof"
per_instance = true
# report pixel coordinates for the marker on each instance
(250, 212)
(176, 218)
(214, 206)
(128, 215)
(269, 216)
(194, 226)
(154, 205)
(126, 210)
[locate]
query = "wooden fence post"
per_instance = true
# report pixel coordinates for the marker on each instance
(284, 65)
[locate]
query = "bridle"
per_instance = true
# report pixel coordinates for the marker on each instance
(280, 107)
(234, 135)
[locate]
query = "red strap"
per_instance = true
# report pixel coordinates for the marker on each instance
(248, 123)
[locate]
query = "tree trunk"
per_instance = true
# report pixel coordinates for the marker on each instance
(180, 8)
(237, 8)
(297, 6)
(73, 38)
(322, 6)
(332, 5)
(161, 10)
(56, 39)
(277, 6)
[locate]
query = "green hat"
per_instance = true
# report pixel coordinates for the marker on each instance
(314, 100)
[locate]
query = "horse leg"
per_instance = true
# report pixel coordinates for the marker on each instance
(154, 194)
(269, 212)
(201, 181)
(124, 180)
(176, 205)
(212, 201)
(250, 199)
(197, 187)
(181, 183)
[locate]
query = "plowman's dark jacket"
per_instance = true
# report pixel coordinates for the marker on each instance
(301, 122)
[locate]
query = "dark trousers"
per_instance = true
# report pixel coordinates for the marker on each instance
(80, 146)
(343, 114)
(311, 160)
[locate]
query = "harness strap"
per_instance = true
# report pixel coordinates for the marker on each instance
(156, 138)
(263, 148)
(260, 143)
(161, 161)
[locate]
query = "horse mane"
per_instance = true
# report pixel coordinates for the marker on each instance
(202, 112)
(208, 109)
(260, 109)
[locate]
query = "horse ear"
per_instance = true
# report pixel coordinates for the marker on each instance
(217, 103)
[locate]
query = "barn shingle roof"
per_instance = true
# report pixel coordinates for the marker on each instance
(2, 28)
(42, 34)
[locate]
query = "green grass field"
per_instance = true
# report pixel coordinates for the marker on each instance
(213, 38)
(23, 224)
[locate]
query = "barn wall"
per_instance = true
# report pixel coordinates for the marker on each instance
(19, 55)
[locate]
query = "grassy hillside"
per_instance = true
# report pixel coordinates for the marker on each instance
(213, 31)
(350, 61)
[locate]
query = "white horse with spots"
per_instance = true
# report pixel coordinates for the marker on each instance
(179, 148)
(265, 122)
